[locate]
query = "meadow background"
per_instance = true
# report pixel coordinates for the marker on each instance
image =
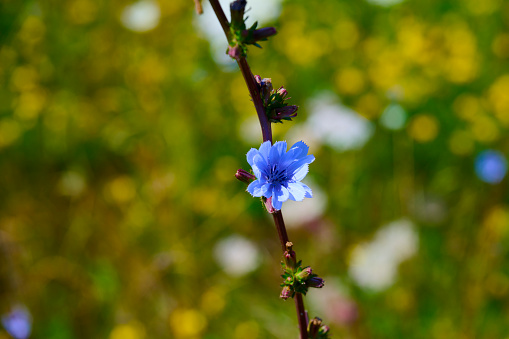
(123, 123)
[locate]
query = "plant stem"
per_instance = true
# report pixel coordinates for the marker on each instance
(257, 100)
(299, 302)
(281, 229)
(301, 315)
(248, 76)
(267, 136)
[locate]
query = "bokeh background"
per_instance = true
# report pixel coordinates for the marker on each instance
(122, 124)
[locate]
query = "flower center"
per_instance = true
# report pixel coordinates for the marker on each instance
(277, 175)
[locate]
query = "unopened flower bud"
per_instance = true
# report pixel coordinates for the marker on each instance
(235, 52)
(286, 292)
(314, 327)
(315, 282)
(290, 256)
(237, 8)
(282, 92)
(287, 112)
(304, 274)
(324, 329)
(266, 90)
(244, 176)
(261, 34)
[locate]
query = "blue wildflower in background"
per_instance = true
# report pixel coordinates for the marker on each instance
(278, 172)
(491, 166)
(18, 322)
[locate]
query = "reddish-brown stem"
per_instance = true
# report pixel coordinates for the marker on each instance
(257, 99)
(248, 76)
(301, 315)
(267, 136)
(281, 229)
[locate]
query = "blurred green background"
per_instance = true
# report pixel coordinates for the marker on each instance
(122, 125)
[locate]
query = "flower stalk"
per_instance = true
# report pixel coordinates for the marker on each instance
(270, 107)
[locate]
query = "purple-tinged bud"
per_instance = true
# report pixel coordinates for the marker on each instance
(235, 52)
(237, 8)
(261, 34)
(282, 92)
(304, 274)
(267, 82)
(324, 329)
(244, 176)
(314, 327)
(315, 282)
(265, 87)
(266, 90)
(290, 256)
(289, 111)
(286, 293)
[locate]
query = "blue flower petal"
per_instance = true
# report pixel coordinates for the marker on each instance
(276, 203)
(250, 155)
(300, 149)
(255, 188)
(309, 193)
(265, 149)
(297, 191)
(296, 152)
(300, 173)
(281, 147)
(283, 194)
(262, 165)
(296, 165)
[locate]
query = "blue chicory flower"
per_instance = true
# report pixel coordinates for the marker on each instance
(278, 172)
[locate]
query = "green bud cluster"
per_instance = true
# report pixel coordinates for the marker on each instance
(297, 279)
(240, 36)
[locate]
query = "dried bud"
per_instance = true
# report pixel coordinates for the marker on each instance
(286, 292)
(304, 274)
(244, 176)
(198, 7)
(286, 112)
(315, 282)
(235, 52)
